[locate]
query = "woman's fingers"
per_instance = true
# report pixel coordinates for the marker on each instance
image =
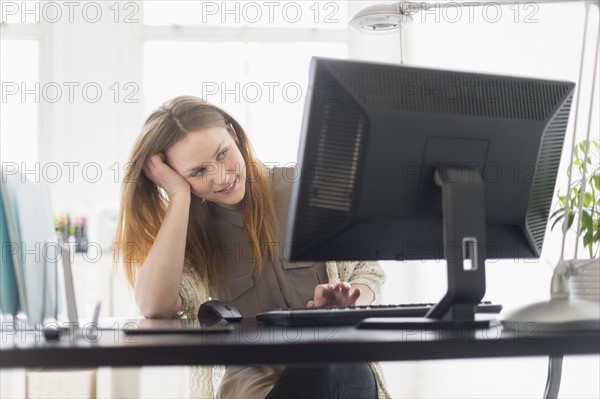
(343, 294)
(157, 170)
(151, 167)
(343, 286)
(334, 293)
(355, 294)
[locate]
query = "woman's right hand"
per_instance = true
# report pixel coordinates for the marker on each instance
(157, 170)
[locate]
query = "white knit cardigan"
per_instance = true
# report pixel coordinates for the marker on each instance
(205, 380)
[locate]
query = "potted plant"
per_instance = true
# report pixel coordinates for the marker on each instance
(579, 210)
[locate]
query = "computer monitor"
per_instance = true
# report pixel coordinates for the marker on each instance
(9, 289)
(31, 246)
(405, 163)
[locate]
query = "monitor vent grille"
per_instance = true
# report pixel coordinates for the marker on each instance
(454, 93)
(542, 187)
(337, 155)
(329, 202)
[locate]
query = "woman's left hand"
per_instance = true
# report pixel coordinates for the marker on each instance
(335, 293)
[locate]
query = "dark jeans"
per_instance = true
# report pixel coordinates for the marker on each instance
(334, 381)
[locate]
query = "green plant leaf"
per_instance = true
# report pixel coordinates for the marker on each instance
(587, 224)
(588, 198)
(568, 205)
(563, 200)
(583, 146)
(571, 219)
(558, 219)
(588, 239)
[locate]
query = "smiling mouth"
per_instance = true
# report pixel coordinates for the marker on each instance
(229, 187)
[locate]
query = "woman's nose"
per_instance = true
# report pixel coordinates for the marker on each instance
(222, 174)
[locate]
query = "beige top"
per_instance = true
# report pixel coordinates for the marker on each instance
(280, 284)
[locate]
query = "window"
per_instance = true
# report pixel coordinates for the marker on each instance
(20, 79)
(287, 14)
(255, 70)
(266, 97)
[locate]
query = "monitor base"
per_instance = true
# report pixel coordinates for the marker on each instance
(556, 315)
(419, 323)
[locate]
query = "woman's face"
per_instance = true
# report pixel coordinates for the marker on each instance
(211, 162)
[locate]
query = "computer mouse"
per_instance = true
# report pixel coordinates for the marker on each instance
(215, 310)
(52, 333)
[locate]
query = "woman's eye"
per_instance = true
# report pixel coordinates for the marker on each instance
(197, 172)
(222, 154)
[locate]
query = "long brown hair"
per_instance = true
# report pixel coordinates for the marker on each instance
(144, 204)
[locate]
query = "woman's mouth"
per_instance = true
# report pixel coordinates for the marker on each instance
(229, 189)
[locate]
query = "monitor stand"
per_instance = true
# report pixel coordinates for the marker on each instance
(464, 242)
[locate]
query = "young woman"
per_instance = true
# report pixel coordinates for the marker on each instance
(202, 216)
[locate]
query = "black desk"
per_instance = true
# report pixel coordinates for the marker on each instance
(255, 343)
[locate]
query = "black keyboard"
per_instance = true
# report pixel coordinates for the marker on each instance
(351, 315)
